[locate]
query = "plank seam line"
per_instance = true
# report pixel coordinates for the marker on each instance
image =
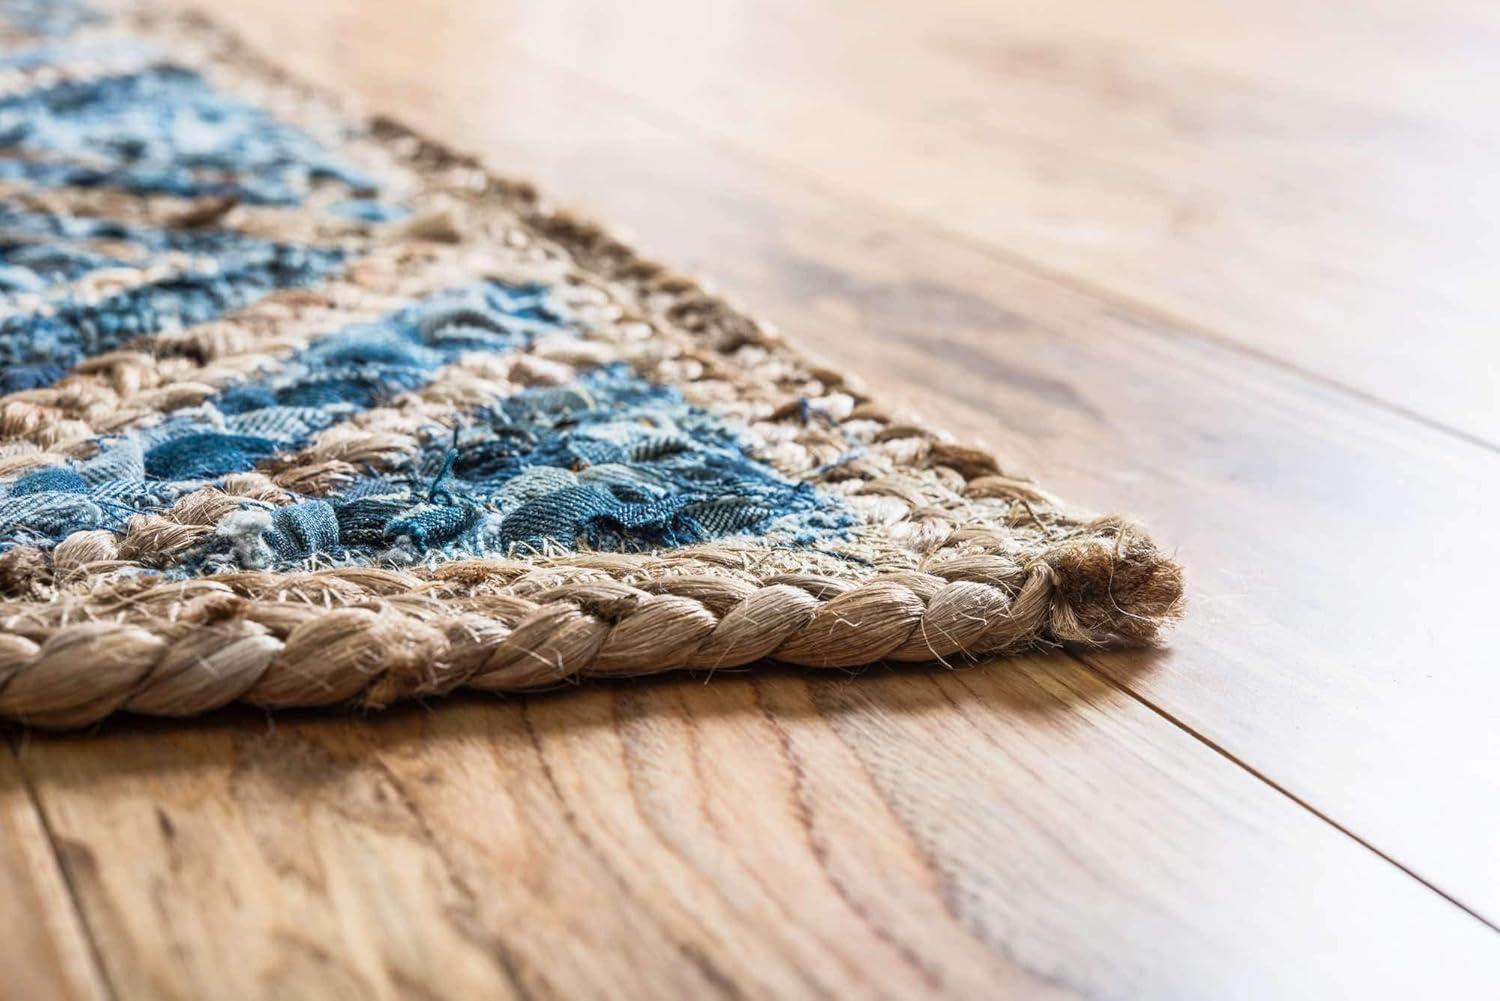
(1224, 752)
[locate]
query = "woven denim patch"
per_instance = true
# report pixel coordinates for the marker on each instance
(47, 17)
(609, 461)
(163, 130)
(40, 252)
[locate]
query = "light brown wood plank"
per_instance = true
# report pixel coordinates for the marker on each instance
(1314, 185)
(1338, 560)
(1026, 830)
(44, 950)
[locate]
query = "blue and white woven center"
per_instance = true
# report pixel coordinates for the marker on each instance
(604, 460)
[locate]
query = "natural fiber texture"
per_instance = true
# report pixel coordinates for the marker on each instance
(302, 411)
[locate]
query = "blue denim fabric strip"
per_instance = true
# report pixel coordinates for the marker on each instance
(330, 380)
(66, 53)
(41, 249)
(37, 348)
(369, 210)
(163, 130)
(47, 17)
(610, 462)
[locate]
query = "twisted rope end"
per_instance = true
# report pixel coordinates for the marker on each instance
(1113, 586)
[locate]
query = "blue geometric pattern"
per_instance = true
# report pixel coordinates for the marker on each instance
(331, 380)
(40, 251)
(47, 17)
(163, 130)
(607, 461)
(610, 461)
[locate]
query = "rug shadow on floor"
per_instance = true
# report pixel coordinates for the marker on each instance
(311, 746)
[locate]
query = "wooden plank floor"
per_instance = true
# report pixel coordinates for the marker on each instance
(1226, 268)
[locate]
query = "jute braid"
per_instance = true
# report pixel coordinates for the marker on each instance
(270, 641)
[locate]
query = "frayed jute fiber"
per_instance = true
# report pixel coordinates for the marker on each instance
(302, 410)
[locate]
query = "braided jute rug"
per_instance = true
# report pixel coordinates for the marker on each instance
(299, 409)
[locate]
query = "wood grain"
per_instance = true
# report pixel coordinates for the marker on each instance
(1018, 831)
(1035, 827)
(44, 949)
(1312, 185)
(1337, 558)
